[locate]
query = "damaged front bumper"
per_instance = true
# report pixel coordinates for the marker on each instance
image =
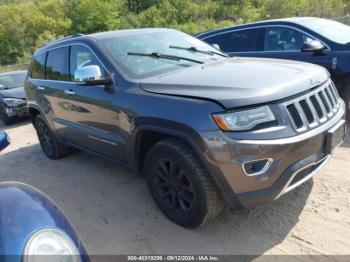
(19, 111)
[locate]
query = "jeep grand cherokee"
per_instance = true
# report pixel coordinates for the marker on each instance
(203, 128)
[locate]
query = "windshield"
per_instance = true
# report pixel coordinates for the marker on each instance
(12, 80)
(148, 54)
(332, 30)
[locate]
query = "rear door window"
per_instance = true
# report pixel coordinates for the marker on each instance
(236, 41)
(38, 67)
(57, 64)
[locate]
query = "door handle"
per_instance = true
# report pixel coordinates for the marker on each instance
(40, 88)
(69, 92)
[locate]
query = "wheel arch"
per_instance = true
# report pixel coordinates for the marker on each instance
(33, 112)
(195, 142)
(147, 136)
(188, 136)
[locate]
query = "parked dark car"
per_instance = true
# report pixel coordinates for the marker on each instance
(314, 40)
(4, 140)
(33, 228)
(201, 127)
(13, 102)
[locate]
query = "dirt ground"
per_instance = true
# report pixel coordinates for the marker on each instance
(113, 212)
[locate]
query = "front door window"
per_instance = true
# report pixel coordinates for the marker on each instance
(284, 39)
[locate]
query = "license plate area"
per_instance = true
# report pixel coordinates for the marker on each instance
(335, 137)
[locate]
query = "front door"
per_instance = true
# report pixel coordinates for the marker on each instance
(285, 43)
(95, 121)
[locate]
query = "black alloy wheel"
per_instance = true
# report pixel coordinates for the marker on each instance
(174, 186)
(51, 146)
(180, 185)
(45, 138)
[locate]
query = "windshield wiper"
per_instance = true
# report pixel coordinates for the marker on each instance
(195, 49)
(163, 56)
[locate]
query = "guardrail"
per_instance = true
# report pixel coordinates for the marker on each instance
(13, 67)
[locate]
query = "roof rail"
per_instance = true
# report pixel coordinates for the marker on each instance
(63, 38)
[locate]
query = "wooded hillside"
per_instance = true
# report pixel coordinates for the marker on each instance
(26, 25)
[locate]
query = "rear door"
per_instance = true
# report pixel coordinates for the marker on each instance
(56, 89)
(35, 82)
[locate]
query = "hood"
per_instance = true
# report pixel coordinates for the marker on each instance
(17, 92)
(237, 81)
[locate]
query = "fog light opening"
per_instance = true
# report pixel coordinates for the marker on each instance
(256, 167)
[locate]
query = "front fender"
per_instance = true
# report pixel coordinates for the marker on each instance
(193, 139)
(168, 128)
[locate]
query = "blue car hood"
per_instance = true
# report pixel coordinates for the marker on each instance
(4, 140)
(24, 211)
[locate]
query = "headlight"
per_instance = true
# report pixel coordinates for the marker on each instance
(245, 119)
(50, 242)
(13, 102)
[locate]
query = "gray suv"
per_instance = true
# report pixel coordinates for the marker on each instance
(204, 129)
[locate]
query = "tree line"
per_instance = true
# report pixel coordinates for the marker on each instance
(27, 24)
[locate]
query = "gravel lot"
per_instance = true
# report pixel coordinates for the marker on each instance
(113, 212)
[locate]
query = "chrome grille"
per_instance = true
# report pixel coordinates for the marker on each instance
(314, 108)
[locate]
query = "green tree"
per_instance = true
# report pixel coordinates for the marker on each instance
(319, 8)
(21, 24)
(89, 16)
(27, 24)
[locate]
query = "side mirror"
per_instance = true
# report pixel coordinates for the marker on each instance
(90, 76)
(312, 46)
(216, 46)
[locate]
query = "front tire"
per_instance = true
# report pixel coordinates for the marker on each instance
(346, 98)
(180, 185)
(51, 146)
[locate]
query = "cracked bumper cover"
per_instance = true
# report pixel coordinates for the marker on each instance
(20, 111)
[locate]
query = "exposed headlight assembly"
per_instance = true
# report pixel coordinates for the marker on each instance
(13, 102)
(53, 243)
(245, 119)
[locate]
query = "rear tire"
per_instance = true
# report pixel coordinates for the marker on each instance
(180, 185)
(51, 146)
